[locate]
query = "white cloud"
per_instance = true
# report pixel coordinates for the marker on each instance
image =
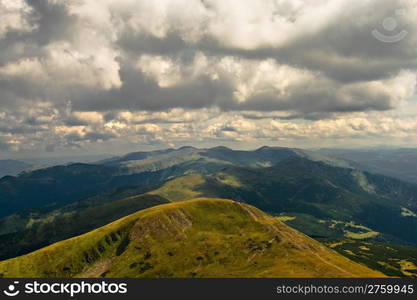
(91, 117)
(66, 66)
(14, 16)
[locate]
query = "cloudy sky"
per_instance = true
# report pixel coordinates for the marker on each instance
(113, 76)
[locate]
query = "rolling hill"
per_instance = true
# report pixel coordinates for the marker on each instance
(197, 238)
(32, 231)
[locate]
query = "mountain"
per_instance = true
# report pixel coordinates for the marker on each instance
(397, 163)
(55, 185)
(321, 200)
(50, 161)
(314, 196)
(197, 238)
(10, 167)
(262, 157)
(134, 156)
(51, 185)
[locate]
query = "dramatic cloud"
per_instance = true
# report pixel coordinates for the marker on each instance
(86, 73)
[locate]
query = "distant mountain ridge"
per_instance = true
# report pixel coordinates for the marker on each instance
(9, 167)
(400, 163)
(262, 157)
(54, 185)
(24, 233)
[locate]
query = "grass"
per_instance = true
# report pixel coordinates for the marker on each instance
(228, 179)
(361, 235)
(285, 218)
(408, 268)
(72, 223)
(181, 189)
(392, 260)
(197, 238)
(405, 212)
(328, 228)
(336, 244)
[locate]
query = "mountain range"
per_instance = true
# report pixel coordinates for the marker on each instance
(324, 197)
(54, 185)
(398, 163)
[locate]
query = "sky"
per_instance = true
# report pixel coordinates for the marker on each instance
(116, 76)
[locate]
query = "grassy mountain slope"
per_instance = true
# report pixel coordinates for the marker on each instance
(198, 238)
(36, 231)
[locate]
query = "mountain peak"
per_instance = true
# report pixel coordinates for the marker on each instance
(221, 148)
(268, 148)
(187, 148)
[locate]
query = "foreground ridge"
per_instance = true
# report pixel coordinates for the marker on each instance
(198, 238)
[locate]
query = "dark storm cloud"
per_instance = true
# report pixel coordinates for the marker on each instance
(49, 23)
(53, 22)
(319, 100)
(344, 49)
(141, 93)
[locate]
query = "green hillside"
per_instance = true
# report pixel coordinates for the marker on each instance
(197, 238)
(34, 230)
